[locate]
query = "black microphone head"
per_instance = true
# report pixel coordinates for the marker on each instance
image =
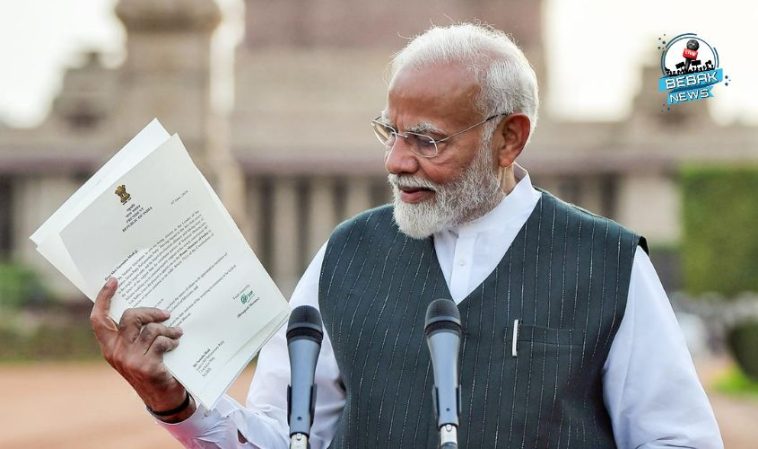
(442, 314)
(305, 321)
(693, 44)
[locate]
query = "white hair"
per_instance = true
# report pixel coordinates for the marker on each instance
(507, 80)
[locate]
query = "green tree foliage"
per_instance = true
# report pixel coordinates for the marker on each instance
(743, 341)
(720, 245)
(19, 286)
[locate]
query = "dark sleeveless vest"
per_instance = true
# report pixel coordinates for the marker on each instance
(565, 278)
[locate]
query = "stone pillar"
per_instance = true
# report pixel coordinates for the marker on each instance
(650, 205)
(285, 255)
(592, 195)
(322, 214)
(255, 214)
(358, 195)
(228, 179)
(167, 71)
(549, 183)
(34, 200)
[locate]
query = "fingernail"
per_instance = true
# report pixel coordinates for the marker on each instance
(180, 330)
(166, 313)
(111, 282)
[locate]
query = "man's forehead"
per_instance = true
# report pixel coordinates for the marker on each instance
(432, 97)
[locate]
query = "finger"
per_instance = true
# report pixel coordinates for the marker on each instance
(161, 345)
(152, 330)
(99, 316)
(133, 319)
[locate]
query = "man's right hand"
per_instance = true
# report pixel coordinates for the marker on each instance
(135, 348)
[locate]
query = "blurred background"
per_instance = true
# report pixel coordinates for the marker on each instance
(273, 100)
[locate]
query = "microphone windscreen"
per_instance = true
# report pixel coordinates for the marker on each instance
(305, 321)
(442, 314)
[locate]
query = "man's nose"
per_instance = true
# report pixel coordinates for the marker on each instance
(400, 158)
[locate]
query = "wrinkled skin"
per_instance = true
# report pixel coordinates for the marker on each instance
(135, 346)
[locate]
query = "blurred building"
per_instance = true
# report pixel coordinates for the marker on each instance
(296, 155)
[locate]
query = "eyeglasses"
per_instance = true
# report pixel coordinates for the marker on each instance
(421, 144)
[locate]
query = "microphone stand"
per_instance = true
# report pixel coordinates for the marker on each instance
(448, 437)
(299, 441)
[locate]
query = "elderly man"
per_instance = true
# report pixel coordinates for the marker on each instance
(598, 360)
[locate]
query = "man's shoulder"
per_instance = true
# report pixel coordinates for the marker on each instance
(369, 232)
(376, 218)
(590, 218)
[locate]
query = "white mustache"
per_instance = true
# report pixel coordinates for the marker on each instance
(410, 182)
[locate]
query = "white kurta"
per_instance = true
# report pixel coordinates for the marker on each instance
(650, 387)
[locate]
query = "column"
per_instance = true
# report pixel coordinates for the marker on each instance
(358, 195)
(592, 195)
(322, 215)
(34, 200)
(649, 204)
(285, 254)
(255, 214)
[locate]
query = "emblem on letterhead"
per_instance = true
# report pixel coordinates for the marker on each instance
(122, 194)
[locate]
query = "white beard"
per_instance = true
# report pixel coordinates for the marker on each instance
(473, 194)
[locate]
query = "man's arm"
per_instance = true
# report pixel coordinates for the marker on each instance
(135, 346)
(263, 423)
(651, 389)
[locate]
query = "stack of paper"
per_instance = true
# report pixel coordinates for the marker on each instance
(149, 218)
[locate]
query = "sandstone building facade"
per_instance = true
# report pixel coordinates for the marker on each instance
(296, 154)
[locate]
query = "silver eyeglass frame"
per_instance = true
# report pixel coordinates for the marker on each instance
(376, 124)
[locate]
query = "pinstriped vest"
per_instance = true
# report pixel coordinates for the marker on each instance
(565, 278)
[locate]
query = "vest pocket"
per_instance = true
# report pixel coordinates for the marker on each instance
(525, 398)
(544, 335)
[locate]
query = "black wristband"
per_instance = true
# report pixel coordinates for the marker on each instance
(173, 411)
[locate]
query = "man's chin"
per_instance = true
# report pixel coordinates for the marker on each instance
(417, 221)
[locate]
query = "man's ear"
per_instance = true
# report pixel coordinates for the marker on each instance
(514, 132)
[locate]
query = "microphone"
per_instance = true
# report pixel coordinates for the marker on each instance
(443, 336)
(690, 53)
(304, 336)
